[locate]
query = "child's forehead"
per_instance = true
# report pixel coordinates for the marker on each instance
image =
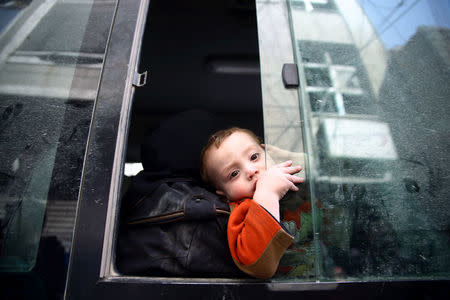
(237, 142)
(241, 136)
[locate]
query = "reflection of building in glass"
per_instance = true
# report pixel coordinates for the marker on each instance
(378, 142)
(336, 83)
(314, 4)
(415, 101)
(341, 88)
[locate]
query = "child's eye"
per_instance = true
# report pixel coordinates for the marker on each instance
(234, 174)
(254, 156)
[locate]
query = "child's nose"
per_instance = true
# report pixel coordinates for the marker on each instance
(252, 170)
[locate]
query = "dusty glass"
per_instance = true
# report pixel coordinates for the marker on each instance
(369, 124)
(50, 67)
(373, 98)
(283, 134)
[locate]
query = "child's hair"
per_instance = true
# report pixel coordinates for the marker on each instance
(217, 139)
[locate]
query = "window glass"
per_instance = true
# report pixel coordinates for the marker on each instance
(373, 100)
(51, 55)
(283, 133)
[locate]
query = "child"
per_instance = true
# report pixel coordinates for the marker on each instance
(234, 163)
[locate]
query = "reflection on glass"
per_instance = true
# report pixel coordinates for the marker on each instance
(309, 5)
(49, 74)
(374, 101)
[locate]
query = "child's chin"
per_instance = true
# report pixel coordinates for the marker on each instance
(248, 196)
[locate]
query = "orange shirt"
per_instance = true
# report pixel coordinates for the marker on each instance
(256, 239)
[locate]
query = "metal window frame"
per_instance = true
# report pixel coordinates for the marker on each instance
(105, 151)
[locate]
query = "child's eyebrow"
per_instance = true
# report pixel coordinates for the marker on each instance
(227, 169)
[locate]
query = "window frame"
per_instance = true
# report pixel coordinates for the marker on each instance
(105, 151)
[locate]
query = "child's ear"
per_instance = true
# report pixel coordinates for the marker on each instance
(220, 193)
(263, 146)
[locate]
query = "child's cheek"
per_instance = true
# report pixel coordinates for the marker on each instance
(240, 191)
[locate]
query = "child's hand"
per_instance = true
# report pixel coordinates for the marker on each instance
(274, 183)
(278, 179)
(275, 154)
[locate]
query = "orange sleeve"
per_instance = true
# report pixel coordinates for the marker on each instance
(256, 240)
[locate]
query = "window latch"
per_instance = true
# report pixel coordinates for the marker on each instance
(139, 79)
(290, 76)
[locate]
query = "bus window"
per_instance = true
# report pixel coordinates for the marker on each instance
(49, 75)
(373, 99)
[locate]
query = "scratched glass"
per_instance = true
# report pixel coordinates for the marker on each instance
(374, 97)
(374, 130)
(49, 71)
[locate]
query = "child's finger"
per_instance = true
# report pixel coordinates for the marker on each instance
(295, 179)
(294, 188)
(292, 170)
(284, 164)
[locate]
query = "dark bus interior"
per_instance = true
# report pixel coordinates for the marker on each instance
(201, 56)
(203, 75)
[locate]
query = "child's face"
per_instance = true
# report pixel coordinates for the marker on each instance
(236, 165)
